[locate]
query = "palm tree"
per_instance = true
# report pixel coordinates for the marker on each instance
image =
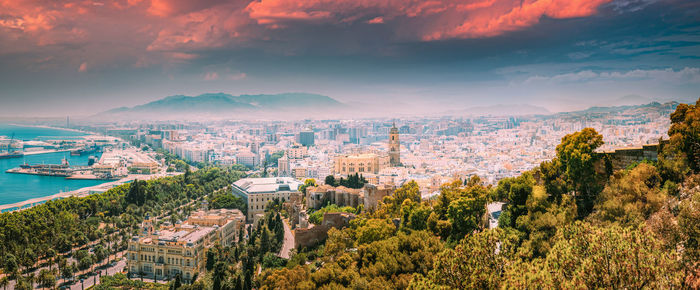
(46, 279)
(4, 282)
(31, 278)
(51, 254)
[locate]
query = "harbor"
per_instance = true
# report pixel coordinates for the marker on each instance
(50, 163)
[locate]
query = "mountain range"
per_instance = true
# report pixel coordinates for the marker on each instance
(306, 105)
(209, 105)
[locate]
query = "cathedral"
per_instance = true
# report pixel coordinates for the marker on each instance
(394, 147)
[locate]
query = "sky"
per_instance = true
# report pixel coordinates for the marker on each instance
(81, 57)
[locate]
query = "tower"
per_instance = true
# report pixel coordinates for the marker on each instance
(394, 146)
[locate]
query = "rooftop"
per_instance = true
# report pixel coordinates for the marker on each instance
(267, 185)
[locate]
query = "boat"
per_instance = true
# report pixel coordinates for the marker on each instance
(8, 155)
(62, 169)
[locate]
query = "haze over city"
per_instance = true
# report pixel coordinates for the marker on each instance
(84, 57)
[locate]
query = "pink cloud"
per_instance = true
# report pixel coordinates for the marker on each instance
(83, 67)
(211, 76)
(165, 8)
(152, 31)
(441, 19)
(376, 20)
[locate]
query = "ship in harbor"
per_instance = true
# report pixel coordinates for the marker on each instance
(85, 150)
(10, 153)
(64, 169)
(14, 154)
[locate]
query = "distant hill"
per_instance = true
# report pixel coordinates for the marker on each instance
(221, 104)
(502, 110)
(663, 108)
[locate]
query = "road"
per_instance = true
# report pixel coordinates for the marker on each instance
(288, 243)
(90, 280)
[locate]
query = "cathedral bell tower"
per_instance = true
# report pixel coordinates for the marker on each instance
(394, 146)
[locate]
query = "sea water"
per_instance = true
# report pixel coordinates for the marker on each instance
(19, 187)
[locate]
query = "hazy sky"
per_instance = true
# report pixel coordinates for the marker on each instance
(81, 56)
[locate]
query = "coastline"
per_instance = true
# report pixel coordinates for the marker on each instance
(52, 127)
(85, 191)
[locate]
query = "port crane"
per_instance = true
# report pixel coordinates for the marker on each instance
(9, 144)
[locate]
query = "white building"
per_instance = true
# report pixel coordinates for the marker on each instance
(258, 192)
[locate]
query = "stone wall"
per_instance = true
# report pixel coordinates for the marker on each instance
(374, 194)
(320, 196)
(307, 237)
(624, 157)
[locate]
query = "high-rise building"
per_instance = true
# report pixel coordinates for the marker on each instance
(306, 138)
(394, 146)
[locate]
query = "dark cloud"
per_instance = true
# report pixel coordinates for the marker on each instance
(131, 51)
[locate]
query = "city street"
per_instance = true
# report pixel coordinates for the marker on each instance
(288, 243)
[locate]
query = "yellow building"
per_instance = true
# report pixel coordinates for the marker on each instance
(297, 152)
(144, 167)
(299, 173)
(359, 163)
(228, 223)
(165, 253)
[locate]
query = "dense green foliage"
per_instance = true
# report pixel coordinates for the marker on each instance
(274, 158)
(103, 221)
(227, 200)
(353, 181)
(316, 217)
(120, 281)
(234, 267)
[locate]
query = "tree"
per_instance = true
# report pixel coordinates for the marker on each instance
(330, 180)
(85, 262)
(46, 279)
(515, 190)
(270, 260)
(577, 157)
(477, 262)
(219, 275)
(307, 183)
(371, 230)
(212, 258)
(631, 196)
(391, 205)
(100, 253)
(177, 283)
(465, 214)
(689, 223)
(611, 257)
(417, 218)
(685, 132)
(4, 281)
(10, 264)
(67, 270)
(227, 200)
(543, 219)
(51, 254)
